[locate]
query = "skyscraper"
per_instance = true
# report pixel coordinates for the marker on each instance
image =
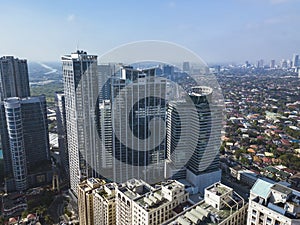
(138, 97)
(272, 64)
(62, 131)
(194, 131)
(14, 80)
(295, 62)
(26, 147)
(81, 93)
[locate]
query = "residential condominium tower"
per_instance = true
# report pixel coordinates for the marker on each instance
(14, 80)
(25, 141)
(81, 96)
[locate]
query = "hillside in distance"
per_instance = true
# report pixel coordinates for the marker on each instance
(46, 79)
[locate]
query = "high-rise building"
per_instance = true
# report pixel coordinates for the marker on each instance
(14, 80)
(284, 64)
(62, 132)
(273, 203)
(85, 200)
(104, 205)
(81, 103)
(194, 134)
(272, 64)
(295, 61)
(260, 63)
(25, 141)
(138, 144)
(186, 67)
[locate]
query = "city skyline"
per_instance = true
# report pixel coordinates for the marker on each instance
(231, 31)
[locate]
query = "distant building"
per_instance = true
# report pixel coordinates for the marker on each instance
(221, 205)
(14, 81)
(273, 203)
(272, 64)
(284, 64)
(26, 142)
(295, 61)
(186, 67)
(260, 63)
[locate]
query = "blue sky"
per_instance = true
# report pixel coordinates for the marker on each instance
(217, 30)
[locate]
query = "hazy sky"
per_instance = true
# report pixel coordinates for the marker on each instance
(217, 30)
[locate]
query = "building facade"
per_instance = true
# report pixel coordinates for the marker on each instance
(81, 96)
(193, 139)
(14, 81)
(137, 204)
(137, 98)
(274, 204)
(221, 205)
(62, 132)
(25, 141)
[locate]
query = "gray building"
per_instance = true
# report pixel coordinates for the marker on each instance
(81, 103)
(139, 99)
(62, 132)
(14, 80)
(193, 139)
(25, 142)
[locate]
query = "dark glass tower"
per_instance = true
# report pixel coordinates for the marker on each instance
(14, 80)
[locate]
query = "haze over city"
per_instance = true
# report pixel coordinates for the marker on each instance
(218, 31)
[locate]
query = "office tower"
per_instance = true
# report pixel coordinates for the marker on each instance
(85, 200)
(273, 203)
(247, 64)
(138, 142)
(139, 203)
(81, 93)
(26, 147)
(106, 136)
(221, 205)
(186, 67)
(295, 61)
(194, 134)
(62, 132)
(260, 63)
(272, 64)
(14, 80)
(284, 64)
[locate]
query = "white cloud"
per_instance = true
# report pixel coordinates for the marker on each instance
(71, 17)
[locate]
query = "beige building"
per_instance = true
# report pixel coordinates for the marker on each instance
(85, 200)
(104, 205)
(273, 204)
(221, 205)
(138, 203)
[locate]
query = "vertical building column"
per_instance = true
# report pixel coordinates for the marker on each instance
(16, 141)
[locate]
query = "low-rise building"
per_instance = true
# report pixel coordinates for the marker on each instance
(104, 205)
(138, 203)
(274, 204)
(85, 200)
(221, 205)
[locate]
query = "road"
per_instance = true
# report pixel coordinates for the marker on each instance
(241, 189)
